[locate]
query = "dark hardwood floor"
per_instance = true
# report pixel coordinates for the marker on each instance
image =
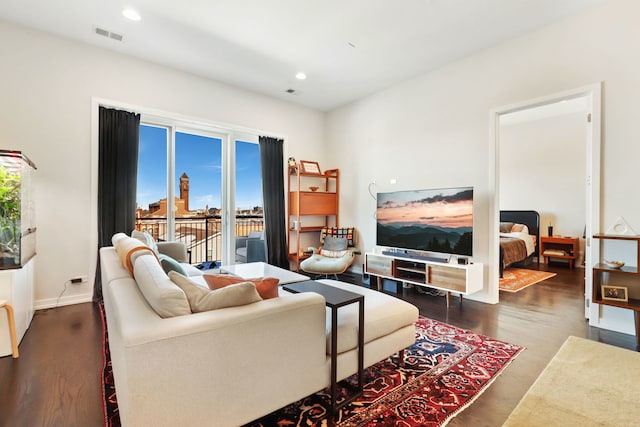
(56, 380)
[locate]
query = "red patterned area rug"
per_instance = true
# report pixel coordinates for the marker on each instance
(109, 403)
(445, 371)
(516, 279)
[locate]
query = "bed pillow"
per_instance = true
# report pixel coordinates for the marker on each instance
(520, 228)
(202, 299)
(505, 227)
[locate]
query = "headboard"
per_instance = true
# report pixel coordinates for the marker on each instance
(529, 218)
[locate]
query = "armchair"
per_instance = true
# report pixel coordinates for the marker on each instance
(334, 256)
(251, 248)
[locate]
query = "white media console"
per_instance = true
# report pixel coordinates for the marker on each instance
(462, 279)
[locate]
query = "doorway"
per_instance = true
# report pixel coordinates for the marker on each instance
(588, 98)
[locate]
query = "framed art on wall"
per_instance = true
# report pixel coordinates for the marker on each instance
(310, 167)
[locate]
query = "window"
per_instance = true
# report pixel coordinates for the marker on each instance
(212, 178)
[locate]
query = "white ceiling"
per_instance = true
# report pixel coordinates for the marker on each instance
(347, 48)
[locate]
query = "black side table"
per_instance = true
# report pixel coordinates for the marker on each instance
(336, 298)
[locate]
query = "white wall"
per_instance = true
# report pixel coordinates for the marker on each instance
(543, 168)
(47, 85)
(433, 130)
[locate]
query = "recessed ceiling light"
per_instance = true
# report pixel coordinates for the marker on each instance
(301, 76)
(131, 14)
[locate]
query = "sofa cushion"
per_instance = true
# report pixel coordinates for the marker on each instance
(267, 287)
(191, 270)
(170, 264)
(129, 249)
(202, 299)
(167, 299)
(146, 238)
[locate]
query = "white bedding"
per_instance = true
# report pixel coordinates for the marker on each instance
(528, 240)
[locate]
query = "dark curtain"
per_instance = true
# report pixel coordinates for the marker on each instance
(117, 178)
(271, 162)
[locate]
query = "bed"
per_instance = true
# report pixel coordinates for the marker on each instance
(519, 244)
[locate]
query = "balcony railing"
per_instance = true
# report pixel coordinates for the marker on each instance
(201, 235)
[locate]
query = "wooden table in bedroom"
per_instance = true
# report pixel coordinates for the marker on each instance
(559, 247)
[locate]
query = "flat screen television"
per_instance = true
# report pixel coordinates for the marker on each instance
(430, 220)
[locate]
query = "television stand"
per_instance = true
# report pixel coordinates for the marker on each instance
(462, 279)
(414, 256)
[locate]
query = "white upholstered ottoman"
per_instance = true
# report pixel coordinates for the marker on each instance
(389, 327)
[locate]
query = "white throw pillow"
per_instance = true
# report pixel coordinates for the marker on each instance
(146, 238)
(203, 299)
(167, 299)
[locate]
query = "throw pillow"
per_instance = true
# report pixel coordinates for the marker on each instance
(202, 299)
(332, 243)
(346, 233)
(128, 249)
(170, 264)
(164, 296)
(267, 287)
(145, 238)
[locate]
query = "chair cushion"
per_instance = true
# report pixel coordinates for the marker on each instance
(319, 264)
(333, 254)
(202, 299)
(332, 243)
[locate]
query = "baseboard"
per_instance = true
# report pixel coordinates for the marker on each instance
(62, 301)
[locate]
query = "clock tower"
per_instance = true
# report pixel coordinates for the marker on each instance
(184, 190)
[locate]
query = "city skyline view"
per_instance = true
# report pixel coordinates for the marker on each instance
(200, 157)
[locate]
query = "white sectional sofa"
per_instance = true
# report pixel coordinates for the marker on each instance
(229, 366)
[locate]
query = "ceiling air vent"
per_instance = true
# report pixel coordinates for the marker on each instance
(109, 34)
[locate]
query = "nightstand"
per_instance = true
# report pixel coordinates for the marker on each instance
(559, 247)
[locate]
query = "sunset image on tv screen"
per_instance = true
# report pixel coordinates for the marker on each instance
(438, 220)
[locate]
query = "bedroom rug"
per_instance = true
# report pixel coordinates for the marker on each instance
(603, 391)
(516, 279)
(445, 371)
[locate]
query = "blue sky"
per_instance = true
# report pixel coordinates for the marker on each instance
(200, 157)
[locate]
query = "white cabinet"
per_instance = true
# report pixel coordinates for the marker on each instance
(462, 279)
(16, 286)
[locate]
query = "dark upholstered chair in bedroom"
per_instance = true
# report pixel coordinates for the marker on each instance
(335, 254)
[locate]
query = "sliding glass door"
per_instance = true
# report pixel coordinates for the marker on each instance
(213, 184)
